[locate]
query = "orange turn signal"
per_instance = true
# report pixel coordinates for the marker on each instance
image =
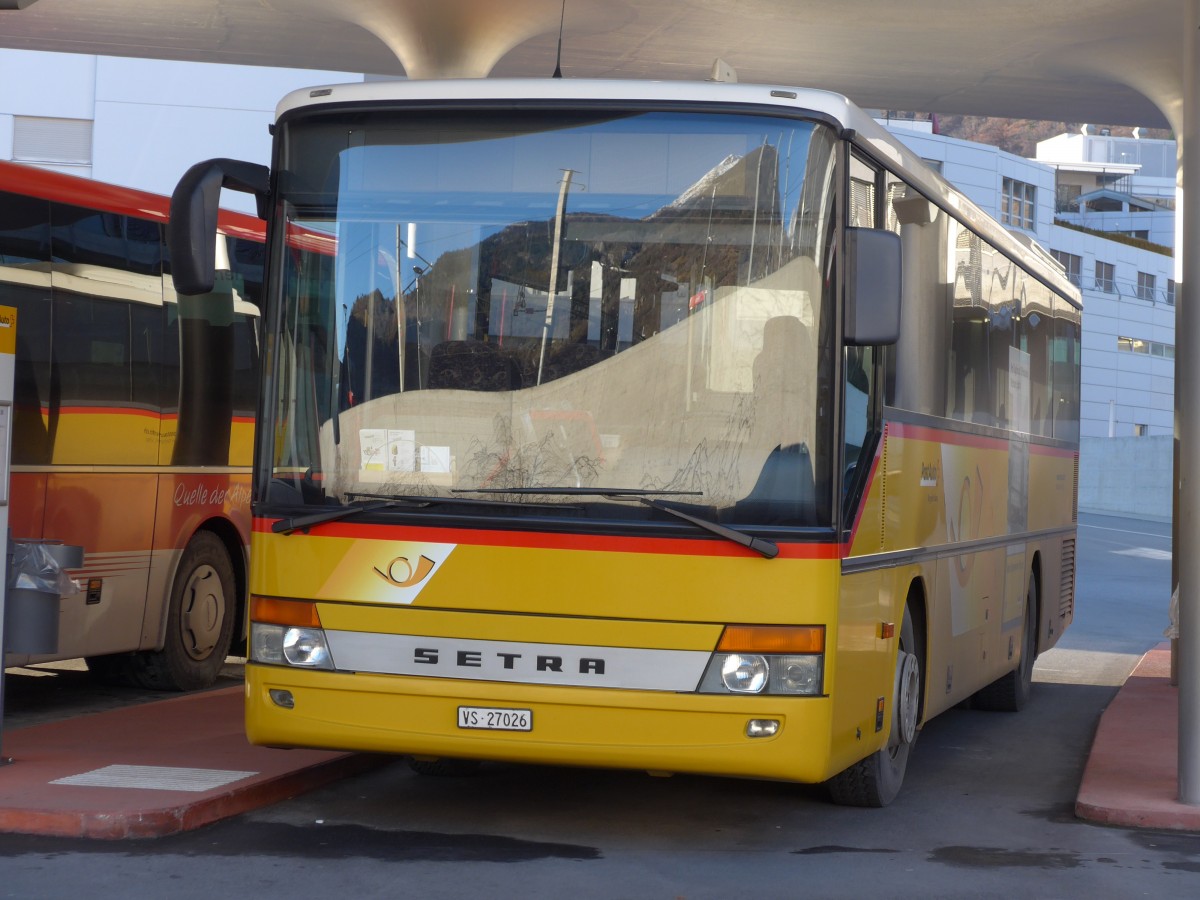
(772, 639)
(274, 611)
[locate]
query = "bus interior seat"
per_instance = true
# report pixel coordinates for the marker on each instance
(571, 358)
(472, 366)
(784, 493)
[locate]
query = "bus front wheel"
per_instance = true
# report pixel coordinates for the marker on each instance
(876, 780)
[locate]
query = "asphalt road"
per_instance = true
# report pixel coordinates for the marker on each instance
(986, 810)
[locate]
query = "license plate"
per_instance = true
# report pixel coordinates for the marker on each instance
(494, 719)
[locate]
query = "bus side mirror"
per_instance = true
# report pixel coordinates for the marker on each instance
(192, 232)
(872, 287)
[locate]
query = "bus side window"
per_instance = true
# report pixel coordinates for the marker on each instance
(859, 418)
(25, 282)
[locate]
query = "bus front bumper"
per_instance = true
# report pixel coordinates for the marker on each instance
(649, 730)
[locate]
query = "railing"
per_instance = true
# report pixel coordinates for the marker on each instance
(1128, 289)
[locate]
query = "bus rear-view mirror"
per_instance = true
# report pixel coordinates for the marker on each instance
(192, 233)
(873, 287)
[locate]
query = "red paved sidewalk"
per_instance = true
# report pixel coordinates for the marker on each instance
(1132, 772)
(151, 770)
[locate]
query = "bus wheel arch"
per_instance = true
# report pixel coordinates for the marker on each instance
(1011, 692)
(203, 605)
(876, 780)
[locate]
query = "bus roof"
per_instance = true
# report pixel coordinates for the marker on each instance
(867, 133)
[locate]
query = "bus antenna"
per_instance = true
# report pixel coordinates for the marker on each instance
(558, 58)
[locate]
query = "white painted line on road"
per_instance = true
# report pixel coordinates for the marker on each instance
(1143, 553)
(1165, 537)
(155, 778)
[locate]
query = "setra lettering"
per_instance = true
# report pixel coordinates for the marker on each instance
(477, 659)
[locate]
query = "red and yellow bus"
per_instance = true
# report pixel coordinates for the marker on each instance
(676, 427)
(133, 423)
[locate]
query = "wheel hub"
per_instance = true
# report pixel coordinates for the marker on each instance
(202, 613)
(908, 699)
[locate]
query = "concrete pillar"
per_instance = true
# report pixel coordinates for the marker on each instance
(1187, 423)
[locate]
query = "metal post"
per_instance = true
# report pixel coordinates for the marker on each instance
(1187, 425)
(564, 186)
(7, 552)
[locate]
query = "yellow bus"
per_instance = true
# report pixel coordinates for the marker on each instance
(674, 427)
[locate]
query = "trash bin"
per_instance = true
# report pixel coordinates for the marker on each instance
(37, 584)
(31, 621)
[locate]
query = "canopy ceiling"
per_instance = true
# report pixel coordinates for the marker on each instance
(1103, 61)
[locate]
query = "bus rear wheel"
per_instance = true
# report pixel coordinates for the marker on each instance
(876, 780)
(1011, 692)
(200, 618)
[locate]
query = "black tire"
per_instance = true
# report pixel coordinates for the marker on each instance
(876, 780)
(200, 618)
(1011, 692)
(445, 767)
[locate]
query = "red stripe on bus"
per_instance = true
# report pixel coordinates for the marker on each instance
(107, 411)
(558, 541)
(862, 504)
(944, 436)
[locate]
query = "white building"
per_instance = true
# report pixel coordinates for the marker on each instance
(1121, 185)
(137, 122)
(141, 123)
(1128, 286)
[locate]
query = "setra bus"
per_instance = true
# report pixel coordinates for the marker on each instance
(677, 427)
(133, 423)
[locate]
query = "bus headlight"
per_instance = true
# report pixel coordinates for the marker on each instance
(287, 633)
(758, 659)
(306, 647)
(283, 645)
(744, 674)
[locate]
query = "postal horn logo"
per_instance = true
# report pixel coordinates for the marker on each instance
(401, 573)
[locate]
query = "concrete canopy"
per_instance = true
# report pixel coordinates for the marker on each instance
(1105, 61)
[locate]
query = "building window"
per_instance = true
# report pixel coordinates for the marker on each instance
(1150, 348)
(1066, 197)
(43, 140)
(1145, 286)
(1140, 430)
(1171, 291)
(1019, 204)
(1072, 266)
(1105, 280)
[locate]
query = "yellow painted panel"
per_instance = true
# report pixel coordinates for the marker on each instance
(504, 627)
(605, 583)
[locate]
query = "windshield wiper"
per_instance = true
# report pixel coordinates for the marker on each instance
(382, 501)
(766, 548)
(303, 523)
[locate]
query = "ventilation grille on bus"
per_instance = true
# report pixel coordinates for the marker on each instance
(1075, 492)
(1066, 591)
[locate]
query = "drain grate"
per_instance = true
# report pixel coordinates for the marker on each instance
(155, 778)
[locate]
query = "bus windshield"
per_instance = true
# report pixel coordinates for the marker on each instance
(484, 303)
